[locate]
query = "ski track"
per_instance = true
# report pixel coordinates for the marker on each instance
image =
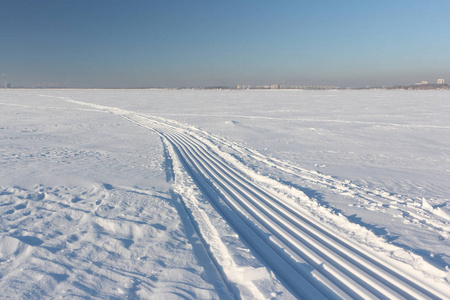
(410, 209)
(319, 120)
(313, 260)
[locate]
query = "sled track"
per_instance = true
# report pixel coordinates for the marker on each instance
(311, 260)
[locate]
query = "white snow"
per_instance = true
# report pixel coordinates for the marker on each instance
(135, 193)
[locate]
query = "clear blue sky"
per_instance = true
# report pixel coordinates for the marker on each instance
(108, 43)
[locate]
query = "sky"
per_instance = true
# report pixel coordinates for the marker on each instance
(109, 43)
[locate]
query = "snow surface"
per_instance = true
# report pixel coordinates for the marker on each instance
(134, 193)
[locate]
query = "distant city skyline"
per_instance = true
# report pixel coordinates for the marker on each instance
(126, 44)
(424, 84)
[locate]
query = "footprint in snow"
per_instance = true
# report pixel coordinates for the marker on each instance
(72, 238)
(59, 277)
(30, 240)
(76, 199)
(103, 210)
(108, 186)
(20, 206)
(159, 226)
(36, 197)
(126, 242)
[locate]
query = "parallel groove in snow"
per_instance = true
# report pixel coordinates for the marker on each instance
(316, 253)
(335, 261)
(243, 228)
(315, 232)
(247, 210)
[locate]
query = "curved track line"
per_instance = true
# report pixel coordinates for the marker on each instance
(358, 275)
(272, 205)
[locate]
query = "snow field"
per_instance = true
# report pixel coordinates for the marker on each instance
(250, 189)
(86, 210)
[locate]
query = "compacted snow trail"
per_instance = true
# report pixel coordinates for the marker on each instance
(290, 242)
(312, 259)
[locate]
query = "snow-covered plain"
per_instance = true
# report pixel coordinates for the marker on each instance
(224, 194)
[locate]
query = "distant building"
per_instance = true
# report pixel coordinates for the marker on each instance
(7, 85)
(440, 81)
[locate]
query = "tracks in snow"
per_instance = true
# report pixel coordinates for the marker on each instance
(413, 210)
(312, 260)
